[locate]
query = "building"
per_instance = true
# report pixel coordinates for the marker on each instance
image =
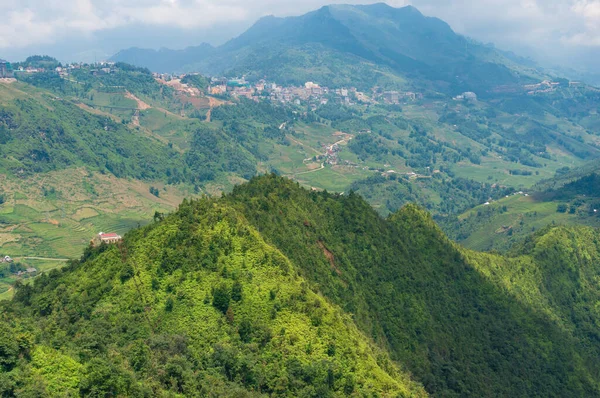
(4, 69)
(470, 96)
(109, 239)
(391, 97)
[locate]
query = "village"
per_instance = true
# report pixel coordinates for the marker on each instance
(17, 269)
(310, 93)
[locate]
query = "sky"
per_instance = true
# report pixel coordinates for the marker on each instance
(555, 31)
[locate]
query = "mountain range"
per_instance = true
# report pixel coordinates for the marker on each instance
(346, 44)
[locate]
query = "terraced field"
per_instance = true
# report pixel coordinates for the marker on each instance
(55, 215)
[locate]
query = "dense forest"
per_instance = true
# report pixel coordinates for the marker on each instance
(201, 302)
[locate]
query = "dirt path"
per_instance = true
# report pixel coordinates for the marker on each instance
(45, 258)
(140, 104)
(312, 171)
(304, 145)
(212, 103)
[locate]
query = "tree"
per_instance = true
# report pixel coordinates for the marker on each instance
(236, 291)
(245, 331)
(103, 379)
(221, 298)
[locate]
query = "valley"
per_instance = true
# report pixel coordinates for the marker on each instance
(392, 153)
(353, 202)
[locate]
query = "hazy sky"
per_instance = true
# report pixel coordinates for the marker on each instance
(77, 28)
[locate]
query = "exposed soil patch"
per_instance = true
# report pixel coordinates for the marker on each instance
(140, 104)
(330, 257)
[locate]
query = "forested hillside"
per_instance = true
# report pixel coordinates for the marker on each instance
(196, 304)
(423, 298)
(276, 290)
(38, 137)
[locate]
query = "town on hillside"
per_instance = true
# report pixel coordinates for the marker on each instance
(311, 93)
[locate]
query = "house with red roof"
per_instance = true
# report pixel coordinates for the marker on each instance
(107, 238)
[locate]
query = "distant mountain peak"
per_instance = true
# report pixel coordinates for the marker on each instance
(402, 41)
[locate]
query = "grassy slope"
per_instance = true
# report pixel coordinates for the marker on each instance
(512, 219)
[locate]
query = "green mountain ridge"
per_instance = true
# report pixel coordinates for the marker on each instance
(250, 294)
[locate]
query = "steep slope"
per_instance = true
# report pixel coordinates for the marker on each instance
(360, 44)
(196, 305)
(240, 295)
(40, 133)
(417, 294)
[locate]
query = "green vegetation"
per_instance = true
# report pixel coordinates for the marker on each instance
(201, 302)
(447, 156)
(441, 196)
(509, 220)
(198, 81)
(416, 294)
(216, 312)
(38, 137)
(38, 61)
(83, 203)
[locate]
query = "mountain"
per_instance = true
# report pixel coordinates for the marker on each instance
(164, 60)
(90, 152)
(274, 290)
(343, 44)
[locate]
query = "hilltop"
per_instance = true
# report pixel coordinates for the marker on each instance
(338, 44)
(251, 295)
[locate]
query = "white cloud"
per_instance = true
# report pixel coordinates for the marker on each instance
(44, 21)
(588, 12)
(533, 23)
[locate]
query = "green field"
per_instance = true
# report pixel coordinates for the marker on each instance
(510, 220)
(61, 224)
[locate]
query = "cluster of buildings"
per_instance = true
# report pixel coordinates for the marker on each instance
(100, 68)
(27, 271)
(544, 87)
(21, 272)
(241, 88)
(332, 154)
(397, 97)
(311, 93)
(467, 96)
